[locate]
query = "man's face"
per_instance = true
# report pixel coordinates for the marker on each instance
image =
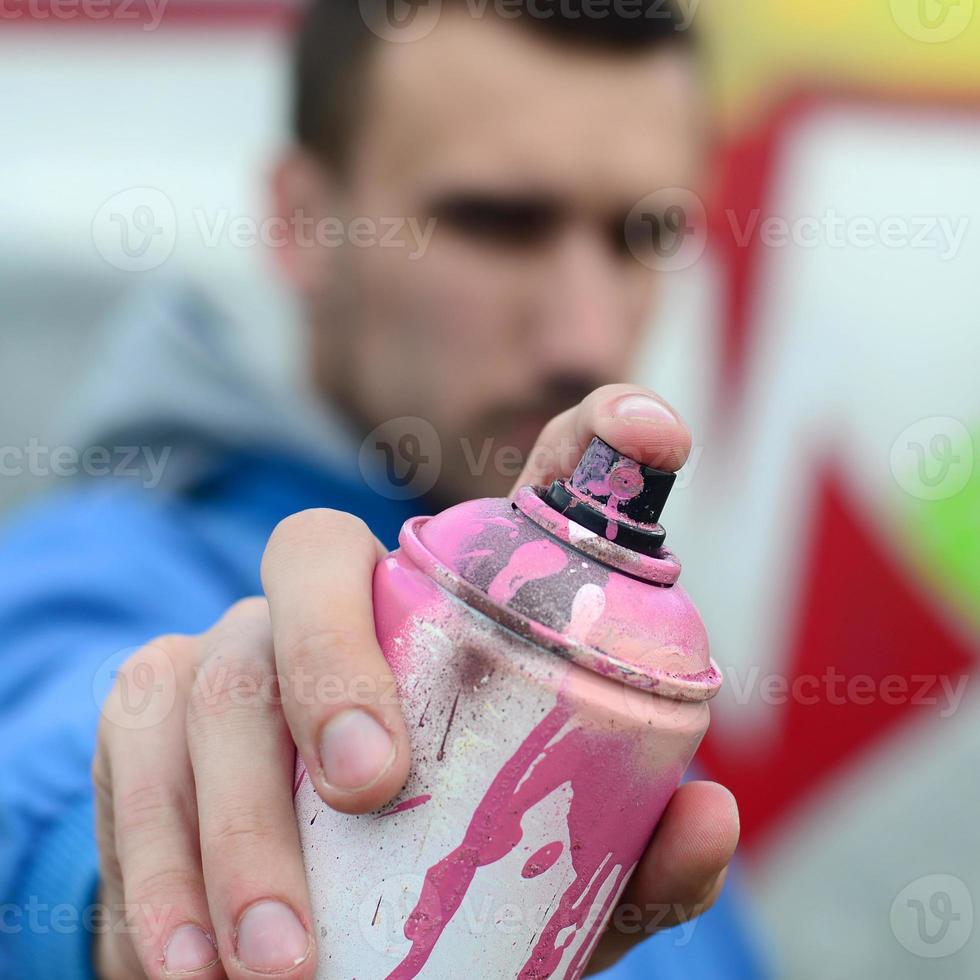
(527, 154)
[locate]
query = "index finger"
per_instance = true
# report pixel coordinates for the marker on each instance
(632, 419)
(338, 692)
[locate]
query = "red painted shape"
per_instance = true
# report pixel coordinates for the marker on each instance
(746, 172)
(861, 614)
(749, 167)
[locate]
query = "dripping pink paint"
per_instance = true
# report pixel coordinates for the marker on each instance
(411, 804)
(531, 561)
(603, 840)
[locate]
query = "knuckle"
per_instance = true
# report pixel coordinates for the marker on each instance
(241, 829)
(161, 885)
(245, 626)
(145, 687)
(174, 648)
(248, 609)
(147, 809)
(330, 651)
(160, 656)
(226, 686)
(553, 428)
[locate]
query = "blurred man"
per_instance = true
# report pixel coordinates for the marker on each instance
(527, 142)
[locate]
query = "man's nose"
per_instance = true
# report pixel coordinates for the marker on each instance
(583, 319)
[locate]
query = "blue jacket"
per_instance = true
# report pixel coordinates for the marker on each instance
(94, 572)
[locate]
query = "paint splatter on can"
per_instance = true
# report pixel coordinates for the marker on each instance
(555, 680)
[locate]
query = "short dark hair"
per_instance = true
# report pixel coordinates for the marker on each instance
(334, 46)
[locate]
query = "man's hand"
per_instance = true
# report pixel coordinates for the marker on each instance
(195, 821)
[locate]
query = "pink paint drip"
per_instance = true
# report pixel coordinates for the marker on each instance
(405, 805)
(531, 561)
(299, 781)
(604, 841)
(542, 859)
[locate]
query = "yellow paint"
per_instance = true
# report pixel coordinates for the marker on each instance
(762, 50)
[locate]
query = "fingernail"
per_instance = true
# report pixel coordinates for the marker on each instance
(643, 408)
(190, 949)
(271, 939)
(355, 750)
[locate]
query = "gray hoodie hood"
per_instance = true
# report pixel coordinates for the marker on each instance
(172, 384)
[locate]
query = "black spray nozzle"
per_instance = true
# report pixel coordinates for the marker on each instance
(616, 497)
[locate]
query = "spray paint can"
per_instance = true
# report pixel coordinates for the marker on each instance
(555, 679)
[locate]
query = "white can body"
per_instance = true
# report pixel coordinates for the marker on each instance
(535, 786)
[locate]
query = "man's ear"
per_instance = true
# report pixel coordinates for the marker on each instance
(302, 190)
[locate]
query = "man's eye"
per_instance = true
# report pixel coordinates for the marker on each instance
(498, 221)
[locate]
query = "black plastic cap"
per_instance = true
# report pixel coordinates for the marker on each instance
(616, 497)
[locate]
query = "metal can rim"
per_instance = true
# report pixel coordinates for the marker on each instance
(681, 687)
(664, 569)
